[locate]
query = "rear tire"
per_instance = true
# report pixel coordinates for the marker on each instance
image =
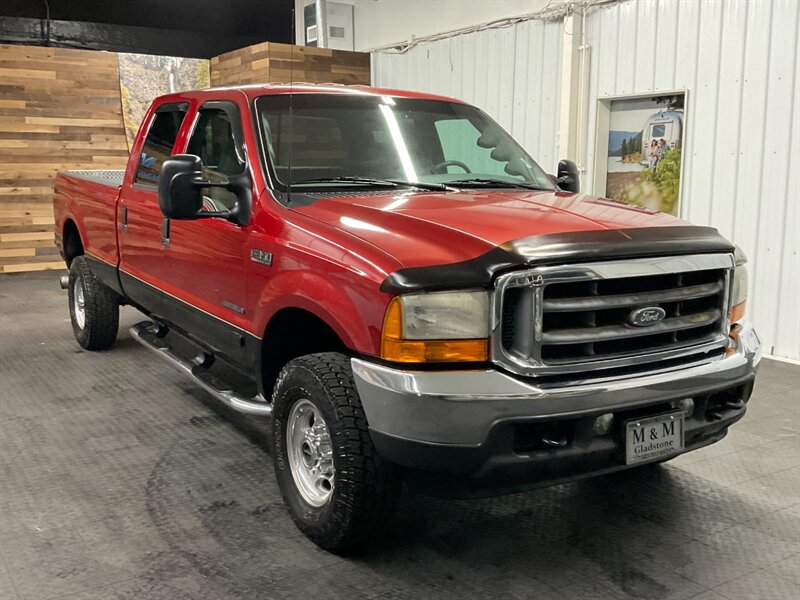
(342, 503)
(93, 308)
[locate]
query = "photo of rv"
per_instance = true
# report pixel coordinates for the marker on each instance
(664, 125)
(645, 139)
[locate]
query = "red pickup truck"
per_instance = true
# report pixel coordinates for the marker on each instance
(410, 296)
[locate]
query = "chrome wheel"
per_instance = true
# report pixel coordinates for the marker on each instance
(78, 303)
(310, 453)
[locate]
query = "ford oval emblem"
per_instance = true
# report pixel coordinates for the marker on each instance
(645, 317)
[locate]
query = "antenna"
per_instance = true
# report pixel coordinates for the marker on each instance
(291, 112)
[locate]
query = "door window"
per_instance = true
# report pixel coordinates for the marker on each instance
(159, 142)
(213, 140)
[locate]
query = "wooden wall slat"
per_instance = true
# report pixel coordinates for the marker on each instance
(283, 63)
(59, 109)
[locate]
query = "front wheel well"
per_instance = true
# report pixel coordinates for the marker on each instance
(294, 332)
(73, 246)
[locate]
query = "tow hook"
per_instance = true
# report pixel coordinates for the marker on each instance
(560, 442)
(63, 281)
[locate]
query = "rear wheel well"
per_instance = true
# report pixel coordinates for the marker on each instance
(73, 246)
(294, 332)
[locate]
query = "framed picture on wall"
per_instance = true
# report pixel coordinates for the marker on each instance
(639, 150)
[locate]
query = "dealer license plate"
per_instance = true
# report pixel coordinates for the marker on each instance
(653, 438)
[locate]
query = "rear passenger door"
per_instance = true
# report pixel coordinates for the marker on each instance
(140, 221)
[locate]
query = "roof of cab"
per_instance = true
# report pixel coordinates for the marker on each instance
(267, 89)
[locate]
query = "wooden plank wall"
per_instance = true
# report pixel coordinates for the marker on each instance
(59, 109)
(283, 63)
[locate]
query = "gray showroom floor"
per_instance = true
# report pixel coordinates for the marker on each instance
(119, 479)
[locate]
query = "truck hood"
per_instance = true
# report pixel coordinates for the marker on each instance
(422, 229)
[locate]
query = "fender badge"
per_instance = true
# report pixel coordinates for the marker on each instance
(233, 307)
(261, 257)
(645, 317)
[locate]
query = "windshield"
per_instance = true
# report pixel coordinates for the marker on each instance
(331, 140)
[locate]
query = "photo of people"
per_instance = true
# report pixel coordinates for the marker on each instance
(644, 152)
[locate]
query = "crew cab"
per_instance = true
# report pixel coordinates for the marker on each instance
(409, 296)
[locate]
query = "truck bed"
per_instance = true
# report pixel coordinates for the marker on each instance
(111, 177)
(89, 199)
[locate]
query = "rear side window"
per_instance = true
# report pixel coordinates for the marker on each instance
(159, 142)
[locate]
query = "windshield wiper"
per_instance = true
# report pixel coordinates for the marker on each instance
(434, 187)
(499, 183)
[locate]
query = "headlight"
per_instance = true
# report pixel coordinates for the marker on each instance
(739, 288)
(437, 327)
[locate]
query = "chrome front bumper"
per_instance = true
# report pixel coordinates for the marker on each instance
(460, 408)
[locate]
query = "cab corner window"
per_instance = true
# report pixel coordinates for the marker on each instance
(159, 142)
(214, 142)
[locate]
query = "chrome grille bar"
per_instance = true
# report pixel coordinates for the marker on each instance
(575, 318)
(617, 332)
(599, 303)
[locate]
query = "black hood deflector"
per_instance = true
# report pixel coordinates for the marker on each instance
(579, 246)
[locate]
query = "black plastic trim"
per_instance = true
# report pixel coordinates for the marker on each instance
(236, 346)
(578, 246)
(105, 272)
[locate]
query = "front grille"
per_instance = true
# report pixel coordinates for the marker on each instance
(579, 317)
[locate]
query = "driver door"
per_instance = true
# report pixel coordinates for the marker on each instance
(206, 258)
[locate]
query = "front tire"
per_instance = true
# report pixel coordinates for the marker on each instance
(336, 486)
(93, 308)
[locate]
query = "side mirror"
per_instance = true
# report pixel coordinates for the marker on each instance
(568, 177)
(178, 195)
(180, 191)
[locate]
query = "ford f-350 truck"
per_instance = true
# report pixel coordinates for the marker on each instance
(410, 295)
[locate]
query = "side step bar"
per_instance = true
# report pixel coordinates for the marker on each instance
(146, 333)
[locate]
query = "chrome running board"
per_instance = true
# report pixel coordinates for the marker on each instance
(147, 334)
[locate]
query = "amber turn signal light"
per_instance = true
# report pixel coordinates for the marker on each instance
(737, 312)
(422, 351)
(396, 349)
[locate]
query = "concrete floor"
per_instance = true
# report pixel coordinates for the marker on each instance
(119, 479)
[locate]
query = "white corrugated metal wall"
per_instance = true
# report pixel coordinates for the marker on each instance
(739, 63)
(512, 73)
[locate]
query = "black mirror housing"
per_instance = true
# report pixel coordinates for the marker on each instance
(179, 196)
(180, 191)
(242, 186)
(568, 178)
